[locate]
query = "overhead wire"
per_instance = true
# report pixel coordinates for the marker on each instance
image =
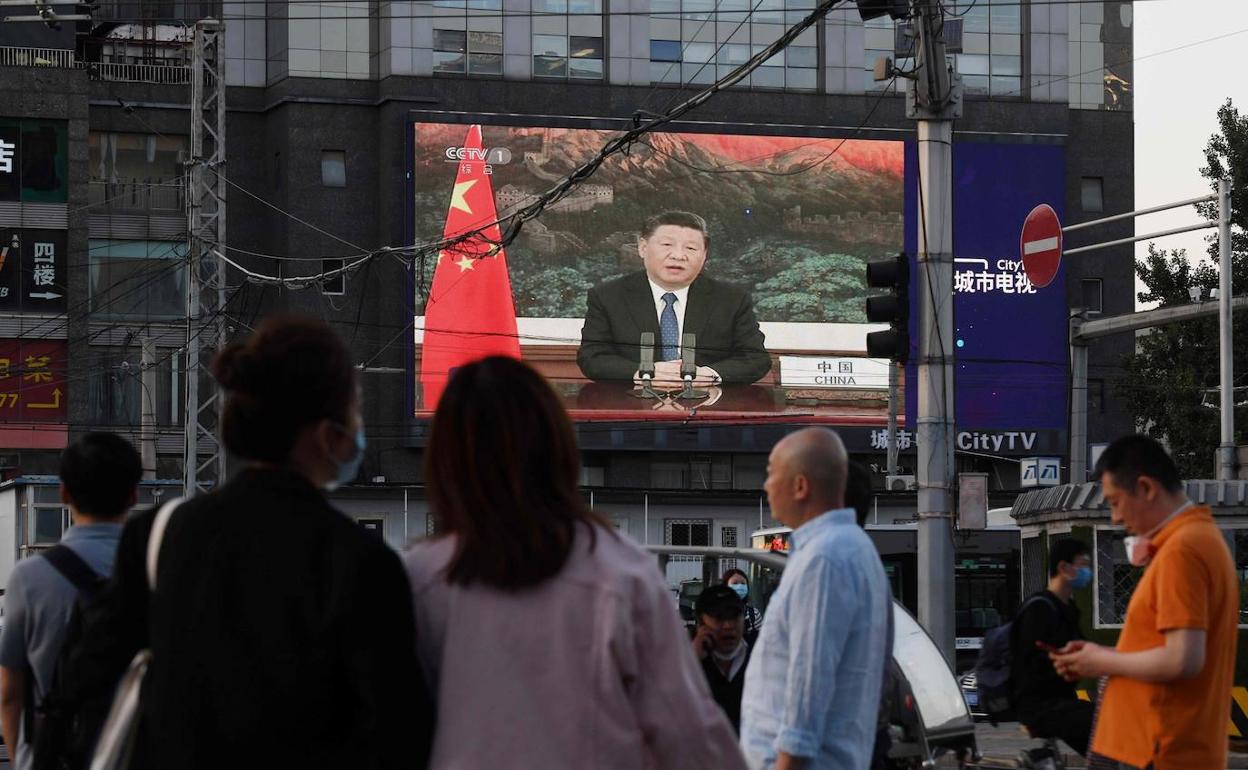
(376, 14)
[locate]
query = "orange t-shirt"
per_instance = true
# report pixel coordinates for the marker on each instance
(1179, 725)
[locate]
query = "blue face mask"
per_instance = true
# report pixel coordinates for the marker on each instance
(348, 470)
(1083, 577)
(742, 589)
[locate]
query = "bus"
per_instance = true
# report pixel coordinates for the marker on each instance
(987, 576)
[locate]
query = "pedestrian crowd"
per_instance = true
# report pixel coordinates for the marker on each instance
(267, 630)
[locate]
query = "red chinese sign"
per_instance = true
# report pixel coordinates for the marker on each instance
(33, 381)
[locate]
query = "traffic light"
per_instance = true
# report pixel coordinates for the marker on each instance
(892, 309)
(896, 9)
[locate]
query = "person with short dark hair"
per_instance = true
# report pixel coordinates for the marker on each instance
(858, 493)
(721, 646)
(739, 582)
(1047, 704)
(99, 477)
(670, 297)
(282, 634)
(550, 639)
(1167, 690)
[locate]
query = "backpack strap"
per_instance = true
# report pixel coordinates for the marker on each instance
(157, 536)
(72, 567)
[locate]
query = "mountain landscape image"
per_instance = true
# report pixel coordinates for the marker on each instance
(793, 219)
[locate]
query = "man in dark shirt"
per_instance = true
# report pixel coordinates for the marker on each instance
(1043, 701)
(720, 644)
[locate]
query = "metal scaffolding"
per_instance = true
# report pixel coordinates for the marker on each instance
(203, 454)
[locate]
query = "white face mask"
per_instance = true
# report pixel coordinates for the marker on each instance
(1140, 547)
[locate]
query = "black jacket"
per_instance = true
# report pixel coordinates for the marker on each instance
(282, 635)
(1033, 679)
(727, 692)
(720, 314)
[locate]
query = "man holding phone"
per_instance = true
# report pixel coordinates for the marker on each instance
(1043, 701)
(720, 644)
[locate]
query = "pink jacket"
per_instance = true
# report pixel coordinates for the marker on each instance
(591, 669)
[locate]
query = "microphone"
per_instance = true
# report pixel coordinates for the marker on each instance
(645, 366)
(689, 367)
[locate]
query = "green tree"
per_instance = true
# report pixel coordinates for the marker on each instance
(1174, 370)
(813, 287)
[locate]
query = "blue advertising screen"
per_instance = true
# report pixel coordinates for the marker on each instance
(1010, 338)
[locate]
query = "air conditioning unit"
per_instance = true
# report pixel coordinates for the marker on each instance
(901, 483)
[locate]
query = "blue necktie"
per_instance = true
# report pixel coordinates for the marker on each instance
(669, 330)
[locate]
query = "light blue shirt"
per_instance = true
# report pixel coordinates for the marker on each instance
(813, 685)
(37, 605)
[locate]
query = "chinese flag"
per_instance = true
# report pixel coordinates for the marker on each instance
(470, 313)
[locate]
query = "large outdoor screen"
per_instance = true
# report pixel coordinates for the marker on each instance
(755, 243)
(775, 304)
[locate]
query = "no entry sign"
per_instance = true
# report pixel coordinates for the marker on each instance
(1040, 245)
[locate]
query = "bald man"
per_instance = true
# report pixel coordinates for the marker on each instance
(813, 686)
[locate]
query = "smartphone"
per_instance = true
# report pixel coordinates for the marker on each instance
(1047, 647)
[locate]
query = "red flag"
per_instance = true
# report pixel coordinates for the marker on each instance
(470, 313)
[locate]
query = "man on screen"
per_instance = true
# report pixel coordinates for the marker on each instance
(670, 298)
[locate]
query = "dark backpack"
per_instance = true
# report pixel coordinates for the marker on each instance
(64, 730)
(993, 667)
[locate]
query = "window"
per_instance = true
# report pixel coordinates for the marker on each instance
(1238, 540)
(669, 475)
(991, 61)
(469, 44)
(137, 279)
(695, 532)
(137, 172)
(713, 472)
(749, 471)
(560, 56)
(1092, 194)
(1096, 396)
(148, 158)
(115, 391)
(335, 284)
(707, 39)
(47, 524)
(1035, 573)
(333, 168)
(1115, 577)
(1090, 289)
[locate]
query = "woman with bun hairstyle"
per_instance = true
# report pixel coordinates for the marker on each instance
(281, 632)
(549, 640)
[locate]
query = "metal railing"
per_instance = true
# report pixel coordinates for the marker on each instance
(136, 196)
(165, 74)
(15, 56)
(173, 73)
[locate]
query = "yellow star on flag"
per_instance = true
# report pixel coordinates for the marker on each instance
(457, 195)
(465, 264)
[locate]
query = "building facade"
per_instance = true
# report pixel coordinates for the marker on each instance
(320, 102)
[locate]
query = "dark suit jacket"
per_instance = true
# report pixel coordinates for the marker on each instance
(720, 314)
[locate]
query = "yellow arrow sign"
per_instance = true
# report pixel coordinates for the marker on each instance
(56, 402)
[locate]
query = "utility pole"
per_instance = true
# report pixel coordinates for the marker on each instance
(147, 416)
(205, 273)
(893, 378)
(1226, 359)
(934, 99)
